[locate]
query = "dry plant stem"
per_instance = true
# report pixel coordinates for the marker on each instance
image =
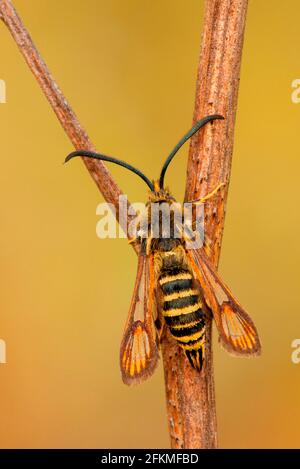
(190, 396)
(58, 102)
(191, 403)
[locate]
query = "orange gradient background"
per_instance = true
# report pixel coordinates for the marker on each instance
(128, 69)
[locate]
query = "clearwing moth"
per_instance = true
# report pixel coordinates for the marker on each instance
(176, 288)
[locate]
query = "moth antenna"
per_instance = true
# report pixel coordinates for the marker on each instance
(110, 159)
(188, 135)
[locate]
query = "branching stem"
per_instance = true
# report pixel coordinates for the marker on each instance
(190, 396)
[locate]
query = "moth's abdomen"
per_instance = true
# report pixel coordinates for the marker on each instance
(183, 313)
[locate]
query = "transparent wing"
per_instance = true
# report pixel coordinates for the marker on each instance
(237, 331)
(139, 351)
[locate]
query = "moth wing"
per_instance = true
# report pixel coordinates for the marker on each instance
(139, 350)
(237, 332)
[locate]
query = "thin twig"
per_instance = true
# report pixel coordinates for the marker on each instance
(59, 104)
(190, 396)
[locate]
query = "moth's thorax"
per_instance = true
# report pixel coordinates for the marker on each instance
(158, 229)
(170, 259)
(160, 195)
(157, 225)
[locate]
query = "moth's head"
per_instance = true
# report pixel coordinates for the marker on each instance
(158, 192)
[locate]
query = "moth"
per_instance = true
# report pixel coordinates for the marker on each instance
(176, 288)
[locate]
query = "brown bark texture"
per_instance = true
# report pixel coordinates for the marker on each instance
(58, 102)
(191, 402)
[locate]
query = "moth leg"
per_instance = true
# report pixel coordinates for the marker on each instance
(208, 196)
(161, 329)
(160, 325)
(148, 245)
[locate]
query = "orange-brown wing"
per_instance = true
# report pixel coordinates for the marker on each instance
(139, 351)
(238, 334)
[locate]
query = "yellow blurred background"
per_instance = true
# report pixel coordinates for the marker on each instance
(128, 69)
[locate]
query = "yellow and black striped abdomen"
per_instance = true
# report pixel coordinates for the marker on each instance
(182, 310)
